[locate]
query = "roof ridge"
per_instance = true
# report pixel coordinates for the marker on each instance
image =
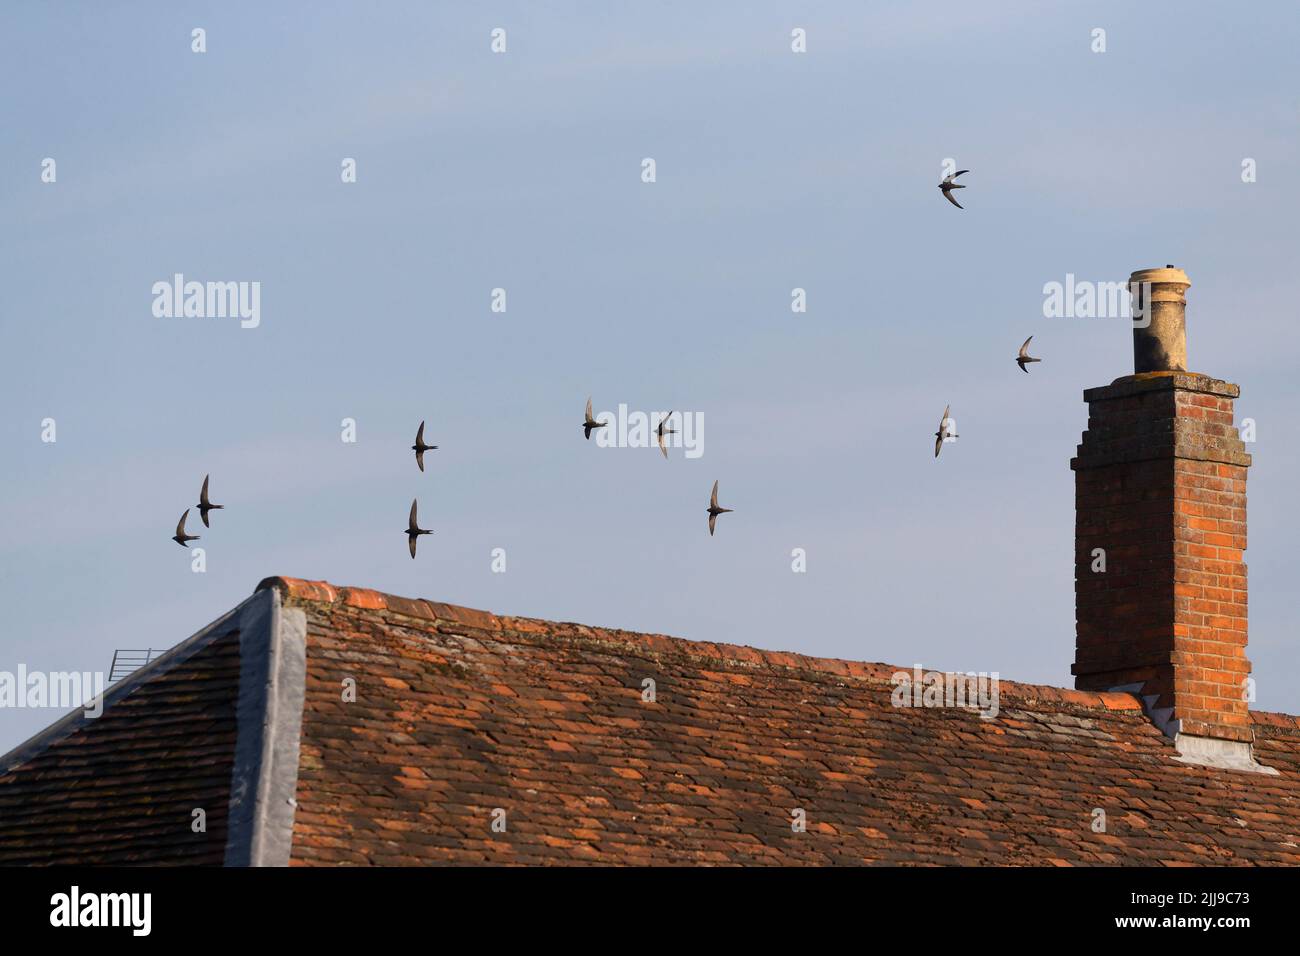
(324, 592)
(1274, 718)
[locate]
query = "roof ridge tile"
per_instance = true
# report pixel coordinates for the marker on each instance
(366, 599)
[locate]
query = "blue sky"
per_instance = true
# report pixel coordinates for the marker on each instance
(522, 171)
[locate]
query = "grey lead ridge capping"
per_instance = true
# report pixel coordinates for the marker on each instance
(272, 680)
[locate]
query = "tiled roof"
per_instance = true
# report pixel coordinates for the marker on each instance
(122, 789)
(461, 718)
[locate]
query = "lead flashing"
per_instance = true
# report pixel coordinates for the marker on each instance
(264, 779)
(1221, 754)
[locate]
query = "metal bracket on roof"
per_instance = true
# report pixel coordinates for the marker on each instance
(127, 662)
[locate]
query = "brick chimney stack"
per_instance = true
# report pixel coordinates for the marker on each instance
(1160, 536)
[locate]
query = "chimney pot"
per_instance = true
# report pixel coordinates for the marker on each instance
(1160, 342)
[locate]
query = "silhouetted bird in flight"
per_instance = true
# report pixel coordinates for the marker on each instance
(413, 530)
(590, 422)
(714, 510)
(180, 537)
(948, 186)
(943, 432)
(420, 447)
(661, 431)
(1025, 357)
(205, 505)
